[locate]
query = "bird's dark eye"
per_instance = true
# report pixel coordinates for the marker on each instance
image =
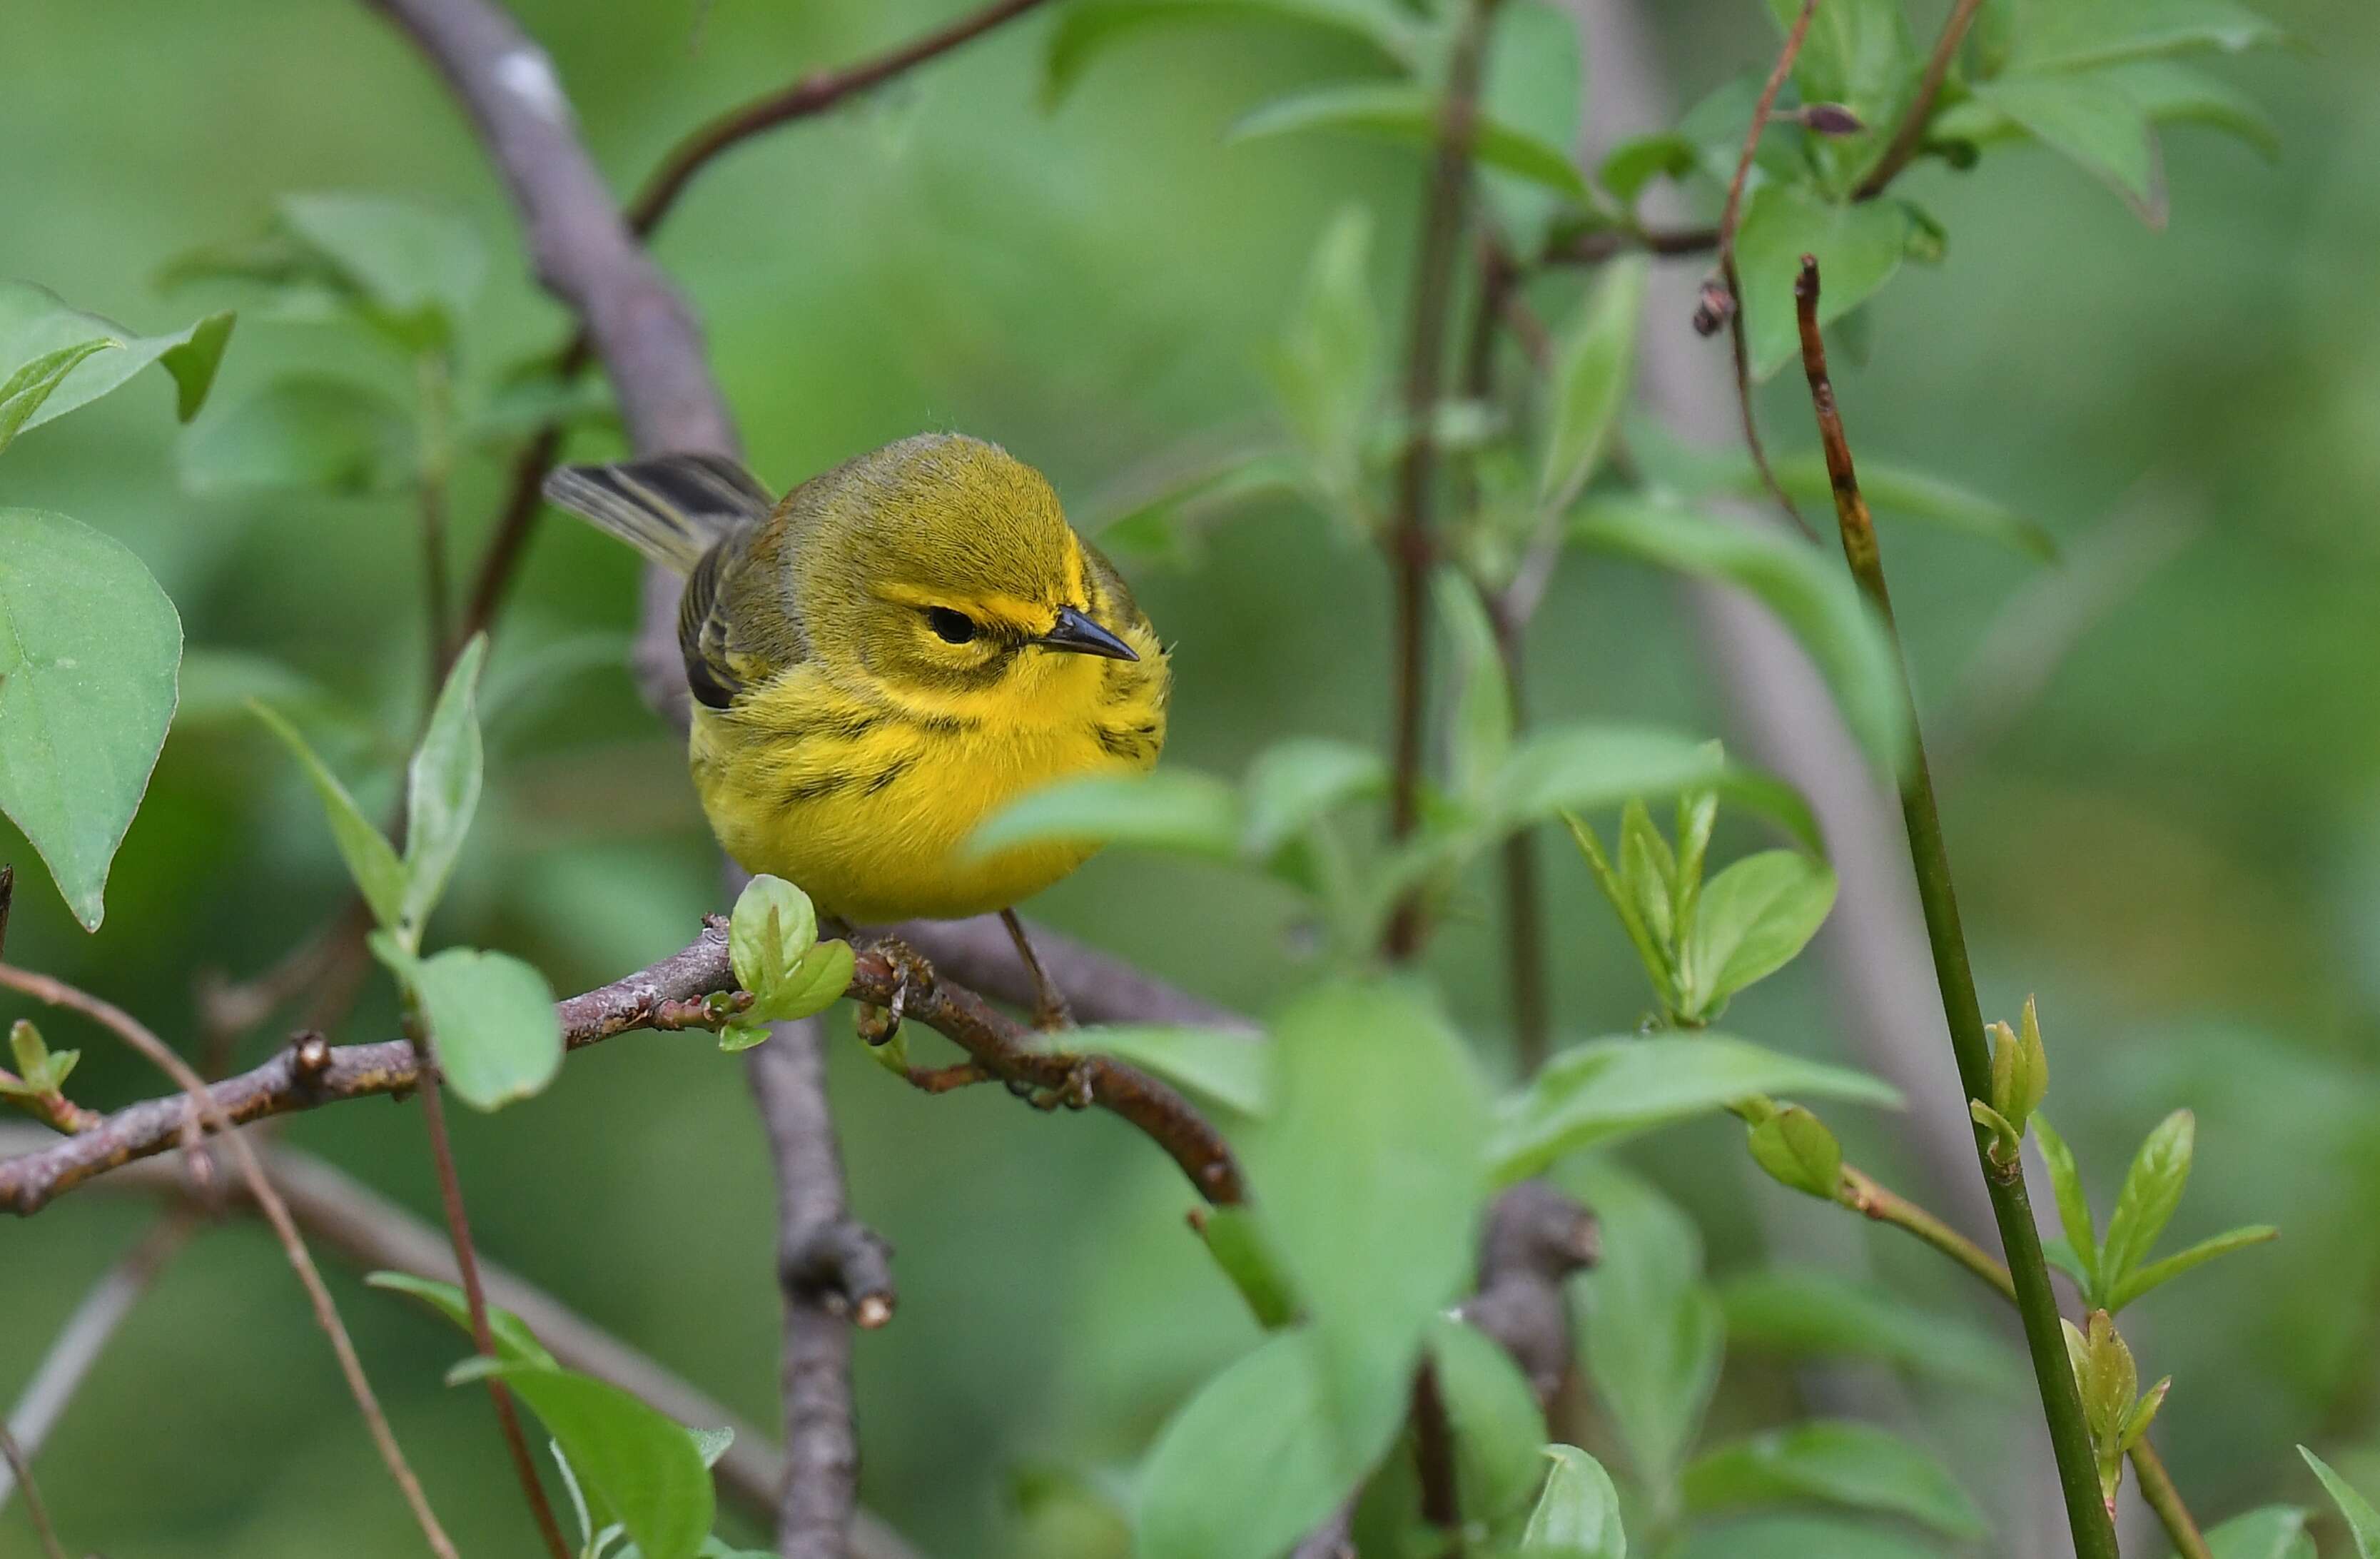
(953, 627)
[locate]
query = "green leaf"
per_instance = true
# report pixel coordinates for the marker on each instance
(1630, 165)
(1497, 1428)
(371, 862)
(2171, 94)
(1531, 80)
(218, 686)
(1160, 527)
(35, 321)
(491, 1021)
(1403, 112)
(1859, 53)
(1176, 810)
(1294, 783)
(88, 646)
(1090, 28)
(2157, 1273)
(1367, 1176)
(31, 1051)
(2094, 124)
(1834, 1462)
(23, 392)
(1895, 489)
(1327, 372)
(2276, 1531)
(1593, 364)
(2074, 37)
(304, 432)
(1653, 1332)
(1578, 767)
(1577, 1514)
(2152, 1189)
(442, 788)
(1792, 578)
(1858, 247)
(1482, 724)
(2073, 1206)
(1230, 1067)
(1254, 1460)
(818, 981)
(1752, 919)
(773, 927)
(516, 1343)
(2362, 1521)
(1798, 1537)
(417, 268)
(1607, 1090)
(1236, 1241)
(1648, 872)
(637, 1465)
(1799, 1152)
(1799, 1313)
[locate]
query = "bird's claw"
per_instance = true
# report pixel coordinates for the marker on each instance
(913, 980)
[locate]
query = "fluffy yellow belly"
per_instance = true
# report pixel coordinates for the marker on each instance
(872, 818)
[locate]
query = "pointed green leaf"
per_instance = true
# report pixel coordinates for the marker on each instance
(1577, 1514)
(1255, 1460)
(516, 1343)
(1858, 247)
(2362, 1521)
(1653, 1332)
(2073, 1206)
(2157, 1273)
(1861, 1466)
(1292, 783)
(416, 267)
(1407, 113)
(1179, 811)
(371, 862)
(774, 928)
(2075, 37)
(1580, 768)
(1793, 580)
(1648, 871)
(1497, 1428)
(1090, 28)
(1799, 1152)
(88, 646)
(2152, 1189)
(2276, 1531)
(1230, 1066)
(637, 1465)
(1593, 364)
(2171, 94)
(1895, 492)
(1753, 918)
(35, 321)
(23, 392)
(2094, 124)
(492, 1022)
(1628, 167)
(1236, 1241)
(443, 787)
(1607, 1090)
(1327, 372)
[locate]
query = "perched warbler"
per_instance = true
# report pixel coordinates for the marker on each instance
(883, 658)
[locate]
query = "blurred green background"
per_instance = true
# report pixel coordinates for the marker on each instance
(2178, 844)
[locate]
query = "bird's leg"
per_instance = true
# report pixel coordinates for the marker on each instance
(1049, 1009)
(912, 978)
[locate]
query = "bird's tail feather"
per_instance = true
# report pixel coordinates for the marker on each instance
(671, 507)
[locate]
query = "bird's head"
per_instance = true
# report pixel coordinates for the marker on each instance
(945, 571)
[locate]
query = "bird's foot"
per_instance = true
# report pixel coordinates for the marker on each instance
(913, 980)
(1049, 1009)
(1072, 1090)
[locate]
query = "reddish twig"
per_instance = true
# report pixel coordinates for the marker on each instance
(202, 1104)
(1730, 219)
(1412, 549)
(1910, 134)
(22, 1467)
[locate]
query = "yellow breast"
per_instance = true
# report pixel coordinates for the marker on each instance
(867, 807)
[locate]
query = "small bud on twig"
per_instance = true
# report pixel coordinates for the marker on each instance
(1828, 118)
(1715, 308)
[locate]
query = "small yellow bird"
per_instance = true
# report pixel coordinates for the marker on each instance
(884, 658)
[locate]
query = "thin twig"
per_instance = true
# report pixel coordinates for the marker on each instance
(22, 1468)
(1910, 133)
(55, 993)
(430, 499)
(1731, 220)
(1412, 549)
(475, 1299)
(87, 1333)
(2095, 1533)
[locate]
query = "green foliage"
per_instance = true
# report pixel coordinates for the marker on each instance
(40, 1070)
(34, 322)
(1593, 364)
(1797, 1150)
(1803, 1314)
(1577, 1514)
(1087, 30)
(1236, 1240)
(1368, 1177)
(24, 391)
(1753, 918)
(1176, 810)
(1496, 1428)
(1599, 1092)
(371, 861)
(2362, 1521)
(306, 433)
(443, 787)
(1859, 246)
(406, 272)
(2116, 1410)
(1834, 1462)
(632, 1465)
(2276, 1531)
(1397, 112)
(1652, 1330)
(1257, 1459)
(1327, 372)
(497, 1037)
(88, 646)
(2094, 124)
(2113, 1275)
(1231, 1068)
(516, 1343)
(773, 939)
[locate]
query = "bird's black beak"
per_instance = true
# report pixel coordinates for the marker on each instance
(1079, 634)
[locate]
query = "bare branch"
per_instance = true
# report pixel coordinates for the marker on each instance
(201, 1105)
(1912, 131)
(21, 1467)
